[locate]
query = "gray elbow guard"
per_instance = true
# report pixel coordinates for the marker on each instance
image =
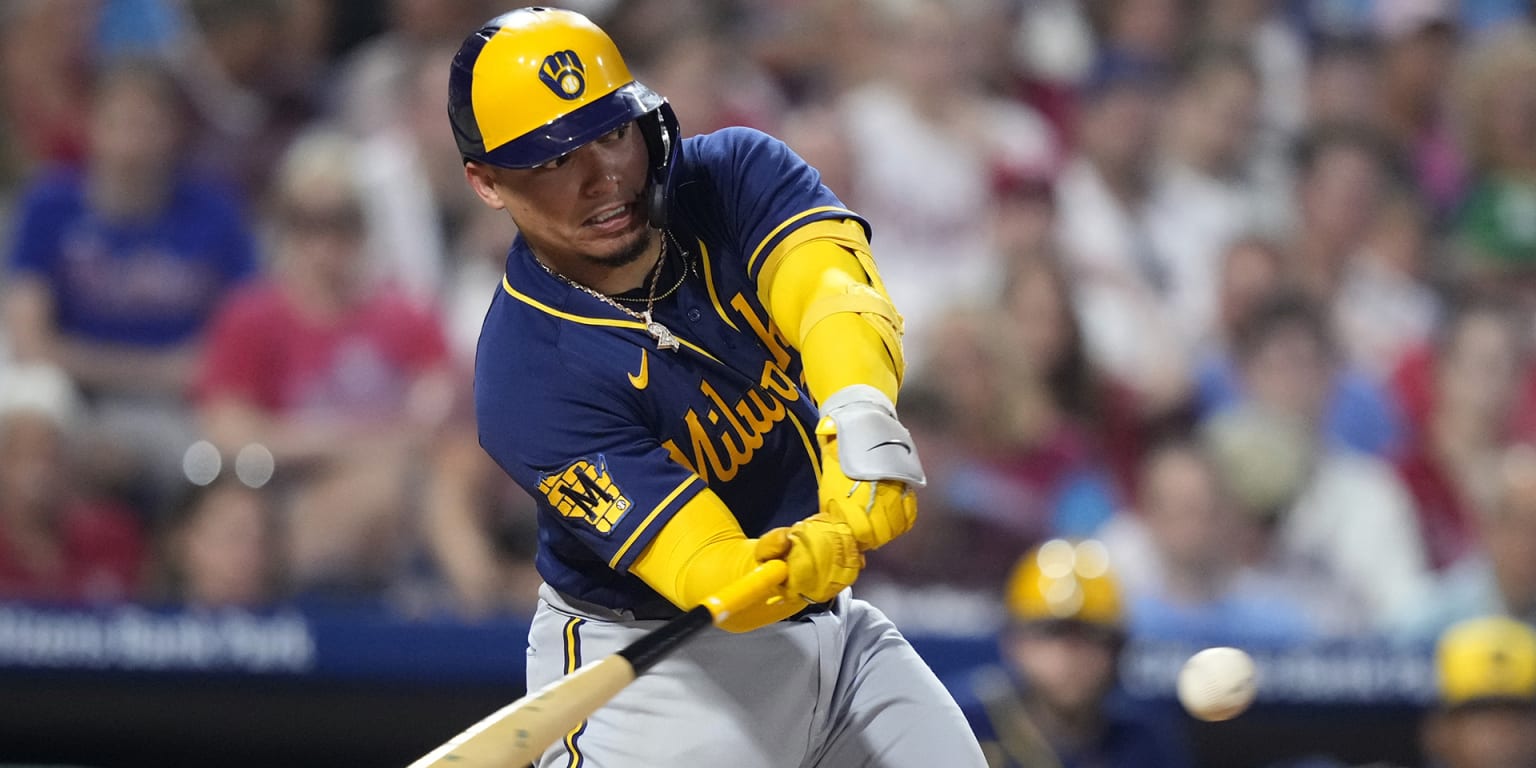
(871, 444)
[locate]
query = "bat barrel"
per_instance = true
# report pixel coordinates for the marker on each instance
(519, 732)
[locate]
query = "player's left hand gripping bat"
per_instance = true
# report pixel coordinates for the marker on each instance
(518, 733)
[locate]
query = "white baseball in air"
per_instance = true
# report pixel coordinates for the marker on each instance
(1217, 683)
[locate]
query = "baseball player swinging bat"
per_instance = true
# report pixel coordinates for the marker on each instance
(518, 733)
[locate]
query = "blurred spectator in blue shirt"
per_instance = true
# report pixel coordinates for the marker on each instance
(1340, 193)
(1349, 518)
(1180, 553)
(116, 266)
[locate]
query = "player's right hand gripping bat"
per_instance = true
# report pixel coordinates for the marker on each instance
(518, 733)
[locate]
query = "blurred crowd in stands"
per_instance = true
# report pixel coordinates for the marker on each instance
(1244, 289)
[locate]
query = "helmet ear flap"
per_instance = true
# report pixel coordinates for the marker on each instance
(656, 202)
(661, 132)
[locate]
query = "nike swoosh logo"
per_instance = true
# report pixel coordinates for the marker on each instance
(640, 380)
(889, 442)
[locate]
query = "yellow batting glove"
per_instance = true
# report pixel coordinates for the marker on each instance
(773, 545)
(822, 559)
(822, 555)
(869, 466)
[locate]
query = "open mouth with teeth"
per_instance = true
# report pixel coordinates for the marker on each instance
(610, 214)
(616, 218)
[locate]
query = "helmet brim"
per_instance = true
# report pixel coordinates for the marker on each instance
(569, 132)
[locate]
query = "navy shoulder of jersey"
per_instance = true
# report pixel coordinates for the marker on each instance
(743, 186)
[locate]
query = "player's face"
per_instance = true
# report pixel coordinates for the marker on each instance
(583, 210)
(1069, 669)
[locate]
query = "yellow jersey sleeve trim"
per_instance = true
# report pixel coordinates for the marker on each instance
(601, 321)
(646, 523)
(758, 251)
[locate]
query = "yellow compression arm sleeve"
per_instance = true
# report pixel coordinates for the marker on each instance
(821, 288)
(699, 551)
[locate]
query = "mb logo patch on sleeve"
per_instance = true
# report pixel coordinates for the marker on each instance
(585, 491)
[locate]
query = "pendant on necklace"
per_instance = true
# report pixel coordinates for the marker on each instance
(663, 336)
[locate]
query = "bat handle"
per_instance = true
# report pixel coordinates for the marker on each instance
(747, 590)
(739, 595)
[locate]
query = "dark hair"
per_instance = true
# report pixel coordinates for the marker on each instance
(1073, 383)
(1312, 145)
(1283, 310)
(1463, 303)
(1211, 57)
(1358, 47)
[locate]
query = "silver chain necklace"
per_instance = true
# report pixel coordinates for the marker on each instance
(662, 334)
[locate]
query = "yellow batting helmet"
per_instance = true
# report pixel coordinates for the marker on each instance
(1063, 580)
(534, 84)
(1487, 659)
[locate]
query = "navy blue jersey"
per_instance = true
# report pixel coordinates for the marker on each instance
(610, 435)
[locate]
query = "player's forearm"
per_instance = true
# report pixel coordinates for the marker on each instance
(823, 293)
(701, 548)
(844, 350)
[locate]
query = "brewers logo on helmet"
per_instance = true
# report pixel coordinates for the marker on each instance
(534, 84)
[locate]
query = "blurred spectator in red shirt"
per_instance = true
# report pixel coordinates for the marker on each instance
(1478, 368)
(1037, 303)
(1014, 465)
(1499, 576)
(56, 542)
(344, 379)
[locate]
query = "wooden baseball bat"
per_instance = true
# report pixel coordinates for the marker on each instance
(518, 733)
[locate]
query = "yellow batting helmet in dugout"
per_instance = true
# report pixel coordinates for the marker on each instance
(534, 84)
(1065, 580)
(1485, 660)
